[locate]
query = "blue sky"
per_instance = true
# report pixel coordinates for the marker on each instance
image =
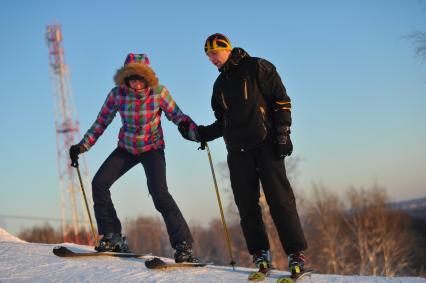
(357, 88)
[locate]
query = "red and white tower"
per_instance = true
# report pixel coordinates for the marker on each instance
(67, 134)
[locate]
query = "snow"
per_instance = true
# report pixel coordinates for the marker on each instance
(29, 262)
(7, 237)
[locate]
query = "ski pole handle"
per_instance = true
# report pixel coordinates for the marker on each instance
(74, 163)
(202, 145)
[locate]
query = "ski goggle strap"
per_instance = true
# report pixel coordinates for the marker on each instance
(216, 42)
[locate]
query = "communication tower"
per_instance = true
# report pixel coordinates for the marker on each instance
(67, 134)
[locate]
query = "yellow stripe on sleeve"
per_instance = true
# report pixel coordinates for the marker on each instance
(282, 102)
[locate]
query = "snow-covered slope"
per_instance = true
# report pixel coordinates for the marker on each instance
(28, 262)
(7, 237)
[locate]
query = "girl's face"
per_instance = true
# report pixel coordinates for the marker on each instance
(137, 85)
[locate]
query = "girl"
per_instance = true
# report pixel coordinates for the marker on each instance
(140, 100)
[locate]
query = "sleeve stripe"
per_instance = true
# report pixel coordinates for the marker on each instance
(283, 102)
(283, 108)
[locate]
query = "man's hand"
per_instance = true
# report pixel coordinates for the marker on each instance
(283, 146)
(201, 137)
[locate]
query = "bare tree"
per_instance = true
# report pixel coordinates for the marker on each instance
(40, 234)
(369, 238)
(362, 222)
(397, 245)
(327, 233)
(382, 237)
(148, 234)
(419, 40)
(210, 244)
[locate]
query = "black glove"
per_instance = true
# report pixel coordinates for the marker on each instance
(201, 136)
(75, 150)
(283, 146)
(183, 128)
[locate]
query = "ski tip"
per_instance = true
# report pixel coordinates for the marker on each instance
(285, 280)
(157, 263)
(61, 251)
(154, 263)
(302, 274)
(257, 276)
(293, 278)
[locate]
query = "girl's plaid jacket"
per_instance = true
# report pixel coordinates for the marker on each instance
(140, 116)
(140, 112)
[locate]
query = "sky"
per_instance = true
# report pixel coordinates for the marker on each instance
(357, 89)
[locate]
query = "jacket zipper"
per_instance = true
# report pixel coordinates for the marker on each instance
(262, 110)
(223, 101)
(245, 89)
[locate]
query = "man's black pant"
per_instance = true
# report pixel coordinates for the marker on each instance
(246, 168)
(154, 163)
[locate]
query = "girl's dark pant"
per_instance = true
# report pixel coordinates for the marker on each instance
(154, 164)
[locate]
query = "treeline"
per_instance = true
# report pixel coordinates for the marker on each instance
(355, 234)
(47, 234)
(366, 236)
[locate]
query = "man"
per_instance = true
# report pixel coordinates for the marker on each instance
(252, 113)
(140, 100)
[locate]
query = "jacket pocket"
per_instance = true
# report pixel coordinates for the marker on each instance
(246, 132)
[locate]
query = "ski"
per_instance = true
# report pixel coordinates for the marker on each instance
(294, 278)
(63, 251)
(257, 276)
(261, 273)
(157, 263)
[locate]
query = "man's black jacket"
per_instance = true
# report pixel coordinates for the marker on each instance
(249, 101)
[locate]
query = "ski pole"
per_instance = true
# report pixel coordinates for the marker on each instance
(220, 205)
(74, 163)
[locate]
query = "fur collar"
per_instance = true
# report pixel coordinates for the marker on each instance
(136, 69)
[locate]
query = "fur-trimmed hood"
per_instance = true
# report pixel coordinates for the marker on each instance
(136, 64)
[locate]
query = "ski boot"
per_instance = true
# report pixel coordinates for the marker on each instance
(183, 253)
(113, 242)
(296, 264)
(262, 259)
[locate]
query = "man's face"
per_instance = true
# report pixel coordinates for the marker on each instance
(218, 57)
